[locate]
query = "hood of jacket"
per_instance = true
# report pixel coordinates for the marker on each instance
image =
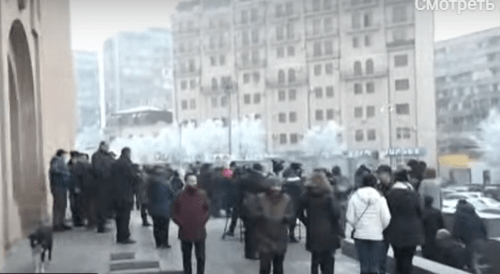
(319, 185)
(368, 195)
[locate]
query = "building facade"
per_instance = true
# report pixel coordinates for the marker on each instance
(36, 113)
(467, 88)
(300, 64)
(88, 89)
(138, 70)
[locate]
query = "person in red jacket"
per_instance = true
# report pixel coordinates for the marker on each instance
(191, 215)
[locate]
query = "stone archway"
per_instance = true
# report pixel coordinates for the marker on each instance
(23, 136)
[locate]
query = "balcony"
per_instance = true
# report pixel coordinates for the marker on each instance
(400, 43)
(301, 80)
(350, 76)
(213, 48)
(274, 18)
(195, 51)
(184, 33)
(319, 11)
(294, 38)
(187, 73)
(372, 28)
(348, 5)
(252, 64)
(260, 43)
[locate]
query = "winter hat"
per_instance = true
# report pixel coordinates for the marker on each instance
(401, 176)
(318, 179)
(442, 234)
(384, 168)
(369, 180)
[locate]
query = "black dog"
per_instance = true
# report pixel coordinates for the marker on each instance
(41, 242)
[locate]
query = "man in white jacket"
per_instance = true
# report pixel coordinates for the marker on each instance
(368, 215)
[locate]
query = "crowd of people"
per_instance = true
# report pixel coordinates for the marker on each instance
(382, 208)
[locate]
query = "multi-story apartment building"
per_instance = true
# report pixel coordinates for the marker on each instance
(138, 70)
(87, 78)
(467, 87)
(296, 64)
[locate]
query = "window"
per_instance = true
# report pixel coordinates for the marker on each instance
(371, 135)
(257, 116)
(246, 78)
(291, 76)
(367, 20)
(292, 95)
(329, 68)
(278, 10)
(289, 8)
(294, 138)
(247, 99)
(316, 26)
(254, 15)
(355, 42)
(358, 112)
(399, 14)
(192, 84)
(370, 87)
(291, 51)
(290, 31)
(317, 49)
(245, 58)
(222, 41)
(316, 5)
(329, 91)
(244, 16)
(329, 114)
(280, 52)
(255, 36)
(356, 21)
(184, 104)
(183, 85)
(280, 32)
(282, 117)
(256, 77)
(403, 133)
(359, 136)
(370, 111)
(328, 25)
(223, 101)
(281, 95)
(403, 109)
(401, 60)
(327, 4)
(245, 37)
(369, 66)
(214, 102)
(281, 76)
(357, 68)
(319, 92)
(222, 60)
(292, 117)
(191, 65)
(317, 70)
(328, 47)
(283, 139)
(368, 41)
(402, 84)
(319, 115)
(256, 98)
(214, 84)
(192, 104)
(358, 89)
(255, 56)
(211, 43)
(213, 61)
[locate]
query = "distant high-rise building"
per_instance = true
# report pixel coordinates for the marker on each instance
(467, 87)
(138, 70)
(87, 76)
(366, 65)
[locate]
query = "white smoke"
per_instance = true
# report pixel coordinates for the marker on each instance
(323, 141)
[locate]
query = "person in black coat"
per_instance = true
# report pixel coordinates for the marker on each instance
(160, 197)
(450, 251)
(125, 185)
(320, 212)
(293, 187)
(433, 221)
(405, 231)
(469, 228)
(102, 160)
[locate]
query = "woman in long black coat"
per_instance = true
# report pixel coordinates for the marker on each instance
(321, 218)
(406, 230)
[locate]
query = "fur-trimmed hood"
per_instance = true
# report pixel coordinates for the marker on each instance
(318, 184)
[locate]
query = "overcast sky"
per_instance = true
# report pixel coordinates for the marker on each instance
(93, 21)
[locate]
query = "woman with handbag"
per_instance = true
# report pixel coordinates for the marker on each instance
(368, 215)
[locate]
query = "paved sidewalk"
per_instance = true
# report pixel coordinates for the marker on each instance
(80, 250)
